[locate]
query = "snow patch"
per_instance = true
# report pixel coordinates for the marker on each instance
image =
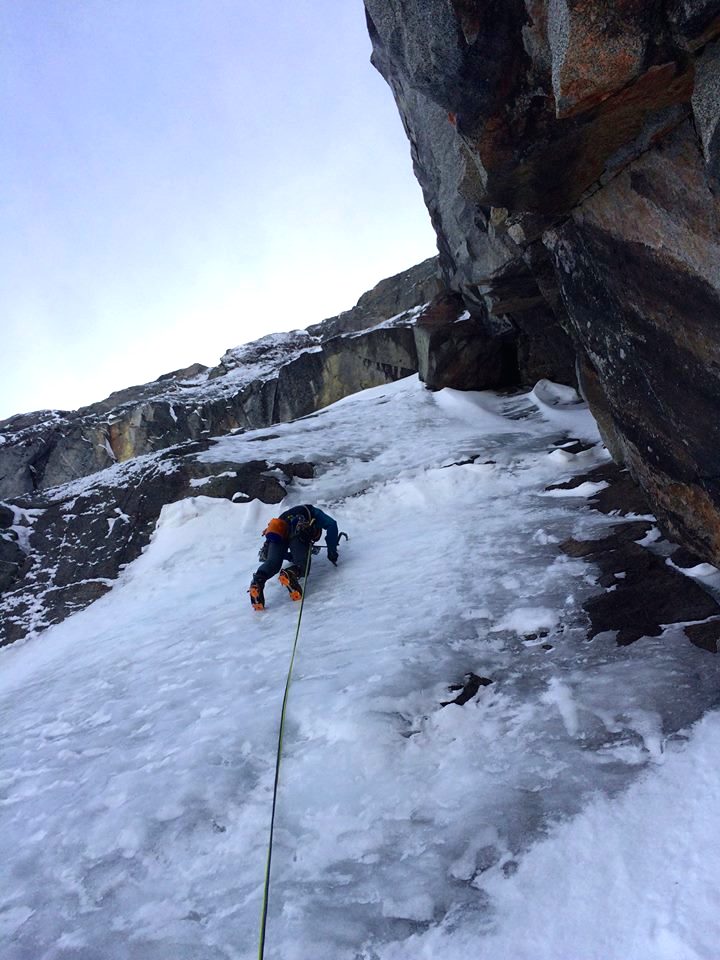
(12, 919)
(561, 405)
(586, 489)
(559, 695)
(526, 620)
(203, 481)
(701, 570)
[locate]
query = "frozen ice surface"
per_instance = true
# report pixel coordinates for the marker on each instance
(565, 811)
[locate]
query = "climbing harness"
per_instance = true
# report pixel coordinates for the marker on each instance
(266, 888)
(302, 524)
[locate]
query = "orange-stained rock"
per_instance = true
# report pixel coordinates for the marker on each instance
(597, 49)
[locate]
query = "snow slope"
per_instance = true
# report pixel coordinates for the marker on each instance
(564, 812)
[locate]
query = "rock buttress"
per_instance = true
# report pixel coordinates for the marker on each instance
(568, 153)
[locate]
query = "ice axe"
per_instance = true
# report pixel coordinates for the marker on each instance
(319, 547)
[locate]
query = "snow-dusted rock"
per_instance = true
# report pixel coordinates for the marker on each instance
(277, 378)
(392, 296)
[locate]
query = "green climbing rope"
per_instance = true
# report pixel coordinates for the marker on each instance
(278, 758)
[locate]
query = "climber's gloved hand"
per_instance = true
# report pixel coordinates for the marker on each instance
(333, 557)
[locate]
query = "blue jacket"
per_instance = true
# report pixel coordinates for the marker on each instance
(308, 522)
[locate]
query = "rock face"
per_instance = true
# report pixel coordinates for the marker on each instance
(639, 268)
(454, 351)
(390, 298)
(568, 156)
(12, 557)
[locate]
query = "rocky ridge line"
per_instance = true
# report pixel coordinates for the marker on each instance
(278, 377)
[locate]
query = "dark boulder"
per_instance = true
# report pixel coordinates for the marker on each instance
(12, 561)
(704, 635)
(455, 350)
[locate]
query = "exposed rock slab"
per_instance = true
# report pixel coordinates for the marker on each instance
(343, 365)
(643, 594)
(638, 266)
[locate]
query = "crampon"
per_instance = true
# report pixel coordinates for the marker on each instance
(288, 578)
(257, 596)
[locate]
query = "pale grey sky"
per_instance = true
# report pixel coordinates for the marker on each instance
(181, 176)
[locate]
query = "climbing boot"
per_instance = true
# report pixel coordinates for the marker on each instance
(257, 596)
(289, 578)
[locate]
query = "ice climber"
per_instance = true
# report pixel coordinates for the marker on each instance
(291, 537)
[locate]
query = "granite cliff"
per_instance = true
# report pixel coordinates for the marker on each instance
(568, 153)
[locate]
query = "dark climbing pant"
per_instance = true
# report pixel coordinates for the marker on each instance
(276, 553)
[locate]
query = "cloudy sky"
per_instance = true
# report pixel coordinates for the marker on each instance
(181, 176)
